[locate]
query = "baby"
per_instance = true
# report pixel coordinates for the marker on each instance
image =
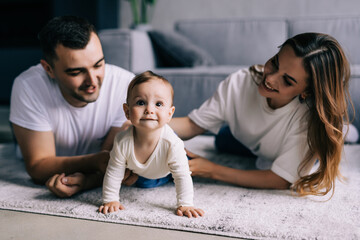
(149, 148)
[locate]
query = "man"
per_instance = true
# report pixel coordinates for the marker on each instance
(66, 110)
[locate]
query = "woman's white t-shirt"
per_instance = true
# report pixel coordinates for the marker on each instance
(276, 136)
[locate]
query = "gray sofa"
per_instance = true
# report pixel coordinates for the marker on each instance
(233, 44)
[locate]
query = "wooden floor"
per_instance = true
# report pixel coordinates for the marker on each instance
(19, 225)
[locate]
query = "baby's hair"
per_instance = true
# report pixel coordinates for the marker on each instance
(145, 77)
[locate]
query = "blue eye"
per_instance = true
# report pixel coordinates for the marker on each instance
(140, 103)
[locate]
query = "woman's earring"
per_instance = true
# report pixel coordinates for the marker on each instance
(302, 97)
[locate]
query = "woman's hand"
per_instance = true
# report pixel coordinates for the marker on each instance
(200, 166)
(111, 207)
(189, 211)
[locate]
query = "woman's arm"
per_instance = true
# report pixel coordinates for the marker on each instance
(247, 178)
(185, 128)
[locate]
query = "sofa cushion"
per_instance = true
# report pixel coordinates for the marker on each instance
(192, 86)
(345, 29)
(174, 50)
(236, 41)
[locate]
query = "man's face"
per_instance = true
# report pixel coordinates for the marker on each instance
(79, 72)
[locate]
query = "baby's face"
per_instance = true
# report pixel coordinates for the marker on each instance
(150, 105)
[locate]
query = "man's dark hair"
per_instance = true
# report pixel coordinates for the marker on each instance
(70, 31)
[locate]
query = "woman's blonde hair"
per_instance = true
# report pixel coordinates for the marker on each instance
(328, 99)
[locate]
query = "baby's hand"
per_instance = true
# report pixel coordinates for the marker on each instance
(111, 207)
(189, 211)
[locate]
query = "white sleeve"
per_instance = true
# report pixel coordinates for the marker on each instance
(179, 168)
(286, 165)
(27, 108)
(211, 114)
(114, 174)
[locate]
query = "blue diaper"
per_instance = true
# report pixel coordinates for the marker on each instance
(151, 183)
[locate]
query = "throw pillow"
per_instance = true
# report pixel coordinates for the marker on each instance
(175, 50)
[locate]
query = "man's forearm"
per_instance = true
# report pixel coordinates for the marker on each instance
(93, 180)
(43, 169)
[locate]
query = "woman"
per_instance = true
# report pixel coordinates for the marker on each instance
(288, 113)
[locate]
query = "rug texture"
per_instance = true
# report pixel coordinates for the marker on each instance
(230, 211)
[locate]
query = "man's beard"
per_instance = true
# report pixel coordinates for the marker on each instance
(87, 99)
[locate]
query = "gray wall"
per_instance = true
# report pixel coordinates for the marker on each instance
(166, 12)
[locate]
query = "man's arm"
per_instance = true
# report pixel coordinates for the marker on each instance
(38, 150)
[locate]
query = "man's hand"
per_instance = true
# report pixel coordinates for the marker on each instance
(66, 186)
(129, 178)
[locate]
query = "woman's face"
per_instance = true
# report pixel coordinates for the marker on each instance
(284, 78)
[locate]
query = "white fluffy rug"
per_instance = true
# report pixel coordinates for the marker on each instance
(230, 210)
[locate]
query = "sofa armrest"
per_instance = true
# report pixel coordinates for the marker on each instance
(143, 57)
(354, 88)
(128, 49)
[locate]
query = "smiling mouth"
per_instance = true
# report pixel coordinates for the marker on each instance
(89, 89)
(268, 87)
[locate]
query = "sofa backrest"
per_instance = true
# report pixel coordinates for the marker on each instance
(344, 29)
(236, 41)
(347, 31)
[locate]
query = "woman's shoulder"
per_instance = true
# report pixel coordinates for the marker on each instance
(253, 73)
(244, 79)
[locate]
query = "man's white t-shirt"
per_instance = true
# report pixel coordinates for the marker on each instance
(169, 156)
(276, 136)
(37, 104)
